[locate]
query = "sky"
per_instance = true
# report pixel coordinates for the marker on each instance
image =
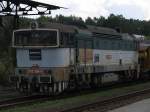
(136, 9)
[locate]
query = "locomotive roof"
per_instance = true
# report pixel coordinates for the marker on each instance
(73, 29)
(103, 30)
(61, 27)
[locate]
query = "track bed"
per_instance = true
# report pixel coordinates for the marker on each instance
(65, 103)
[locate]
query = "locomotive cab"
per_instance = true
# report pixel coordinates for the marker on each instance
(41, 64)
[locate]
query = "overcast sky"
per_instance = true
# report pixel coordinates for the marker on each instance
(137, 9)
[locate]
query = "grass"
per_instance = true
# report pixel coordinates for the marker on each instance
(75, 101)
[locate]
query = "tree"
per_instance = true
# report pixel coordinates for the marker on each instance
(101, 21)
(90, 21)
(6, 59)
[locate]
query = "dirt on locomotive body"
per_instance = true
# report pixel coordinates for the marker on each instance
(56, 57)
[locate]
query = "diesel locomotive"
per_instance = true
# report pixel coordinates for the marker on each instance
(52, 57)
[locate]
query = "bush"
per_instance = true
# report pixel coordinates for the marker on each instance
(3, 76)
(6, 68)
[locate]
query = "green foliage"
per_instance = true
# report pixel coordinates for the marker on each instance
(25, 22)
(70, 20)
(133, 26)
(6, 29)
(90, 21)
(6, 67)
(147, 37)
(43, 19)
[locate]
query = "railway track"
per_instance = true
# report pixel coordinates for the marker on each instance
(102, 106)
(26, 100)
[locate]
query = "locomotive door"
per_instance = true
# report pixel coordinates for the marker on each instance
(85, 52)
(88, 52)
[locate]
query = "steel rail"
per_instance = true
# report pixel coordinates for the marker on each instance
(106, 101)
(26, 100)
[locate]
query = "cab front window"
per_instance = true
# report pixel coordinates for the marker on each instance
(36, 38)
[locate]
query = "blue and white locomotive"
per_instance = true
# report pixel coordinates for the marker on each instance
(55, 57)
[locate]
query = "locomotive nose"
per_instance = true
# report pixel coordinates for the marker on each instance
(35, 70)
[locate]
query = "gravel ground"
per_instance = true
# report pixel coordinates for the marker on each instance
(141, 106)
(112, 107)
